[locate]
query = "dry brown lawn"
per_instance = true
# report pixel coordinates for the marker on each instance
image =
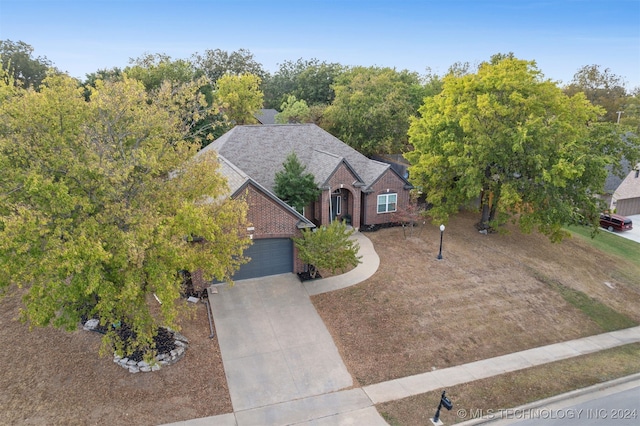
(483, 299)
(51, 377)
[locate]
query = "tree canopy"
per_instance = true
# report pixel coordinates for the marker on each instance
(372, 107)
(239, 97)
(154, 69)
(308, 80)
(516, 142)
(214, 63)
(293, 111)
(601, 87)
(18, 59)
(293, 185)
(100, 201)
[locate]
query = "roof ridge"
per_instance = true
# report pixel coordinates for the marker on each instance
(328, 153)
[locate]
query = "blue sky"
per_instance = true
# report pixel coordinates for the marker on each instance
(81, 37)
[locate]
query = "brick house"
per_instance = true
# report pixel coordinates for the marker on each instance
(353, 187)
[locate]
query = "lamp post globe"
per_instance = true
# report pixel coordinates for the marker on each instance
(441, 234)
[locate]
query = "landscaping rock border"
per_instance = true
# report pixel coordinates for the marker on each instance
(160, 360)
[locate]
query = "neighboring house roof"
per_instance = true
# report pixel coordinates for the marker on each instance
(261, 150)
(630, 186)
(266, 116)
(237, 181)
(613, 181)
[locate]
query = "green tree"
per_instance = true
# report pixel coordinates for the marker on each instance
(99, 201)
(153, 69)
(216, 63)
(307, 80)
(602, 88)
(630, 114)
(329, 247)
(27, 70)
(515, 141)
(239, 97)
(372, 108)
(293, 185)
(293, 111)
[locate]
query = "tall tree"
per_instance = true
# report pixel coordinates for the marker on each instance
(153, 69)
(307, 80)
(239, 97)
(293, 185)
(99, 201)
(514, 140)
(27, 70)
(216, 63)
(602, 88)
(372, 108)
(630, 113)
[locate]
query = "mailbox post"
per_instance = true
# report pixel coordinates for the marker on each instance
(444, 402)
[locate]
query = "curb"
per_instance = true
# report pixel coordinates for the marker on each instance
(556, 398)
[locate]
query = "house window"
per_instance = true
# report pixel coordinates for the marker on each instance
(338, 205)
(387, 203)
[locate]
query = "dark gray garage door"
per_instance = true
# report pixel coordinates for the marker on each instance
(268, 257)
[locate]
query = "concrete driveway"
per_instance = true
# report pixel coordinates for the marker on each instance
(275, 347)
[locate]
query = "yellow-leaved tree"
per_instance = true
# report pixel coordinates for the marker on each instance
(100, 201)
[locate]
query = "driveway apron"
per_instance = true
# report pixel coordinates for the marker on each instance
(275, 347)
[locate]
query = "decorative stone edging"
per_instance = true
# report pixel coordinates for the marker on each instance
(160, 360)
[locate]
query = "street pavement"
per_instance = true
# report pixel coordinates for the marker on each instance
(614, 402)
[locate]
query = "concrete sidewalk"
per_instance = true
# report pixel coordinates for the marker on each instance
(369, 263)
(440, 379)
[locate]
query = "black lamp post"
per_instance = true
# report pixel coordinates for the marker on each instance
(441, 233)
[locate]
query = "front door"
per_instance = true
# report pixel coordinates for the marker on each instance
(336, 206)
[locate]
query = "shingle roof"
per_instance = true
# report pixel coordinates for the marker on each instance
(237, 179)
(266, 116)
(259, 151)
(630, 186)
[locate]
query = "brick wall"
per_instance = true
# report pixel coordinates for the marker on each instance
(387, 184)
(270, 220)
(342, 179)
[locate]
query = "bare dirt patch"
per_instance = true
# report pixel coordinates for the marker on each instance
(54, 377)
(484, 299)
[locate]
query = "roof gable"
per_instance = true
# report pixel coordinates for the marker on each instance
(237, 181)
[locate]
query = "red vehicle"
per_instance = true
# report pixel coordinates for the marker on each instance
(615, 222)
